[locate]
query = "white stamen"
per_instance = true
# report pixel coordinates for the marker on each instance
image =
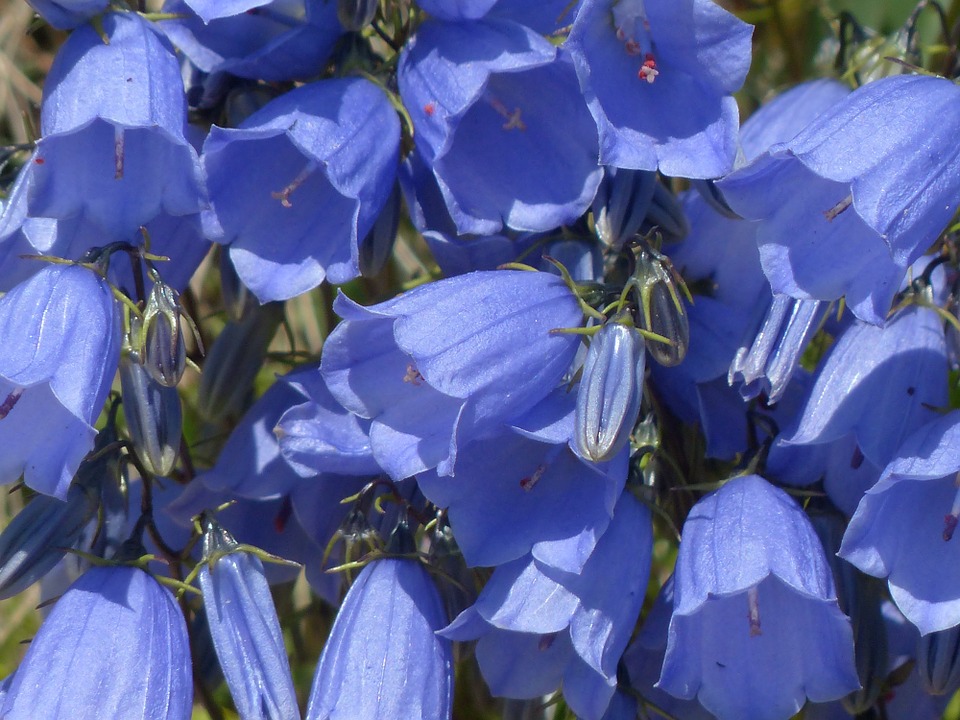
(117, 152)
(753, 610)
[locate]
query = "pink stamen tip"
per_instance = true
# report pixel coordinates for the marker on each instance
(649, 69)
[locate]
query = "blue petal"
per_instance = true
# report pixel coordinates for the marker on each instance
(115, 645)
(804, 650)
(520, 597)
(320, 435)
(898, 528)
(511, 495)
(246, 634)
(878, 383)
(383, 658)
(611, 588)
(315, 167)
(56, 367)
(685, 122)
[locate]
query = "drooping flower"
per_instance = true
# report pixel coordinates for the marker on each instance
(271, 40)
(178, 237)
(296, 187)
(877, 384)
(483, 96)
(429, 383)
(112, 123)
(756, 628)
(658, 76)
(904, 526)
(114, 646)
(848, 204)
(245, 628)
(383, 658)
(513, 495)
(60, 353)
(720, 262)
(539, 626)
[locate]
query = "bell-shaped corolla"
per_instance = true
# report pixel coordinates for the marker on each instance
(383, 658)
(112, 123)
(846, 205)
(483, 98)
(114, 646)
(756, 627)
(60, 350)
(659, 77)
(299, 184)
(450, 362)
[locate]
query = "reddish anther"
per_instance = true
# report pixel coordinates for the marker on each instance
(949, 526)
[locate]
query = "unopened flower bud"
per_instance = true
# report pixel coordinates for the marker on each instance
(356, 14)
(611, 388)
(245, 629)
(235, 359)
(621, 204)
(860, 597)
(237, 298)
(40, 534)
(153, 415)
(164, 352)
(665, 215)
(938, 661)
(376, 246)
(657, 290)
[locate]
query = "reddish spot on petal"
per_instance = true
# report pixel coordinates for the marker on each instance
(39, 160)
(949, 526)
(430, 109)
(529, 482)
(283, 515)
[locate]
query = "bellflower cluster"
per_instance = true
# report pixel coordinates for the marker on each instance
(521, 380)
